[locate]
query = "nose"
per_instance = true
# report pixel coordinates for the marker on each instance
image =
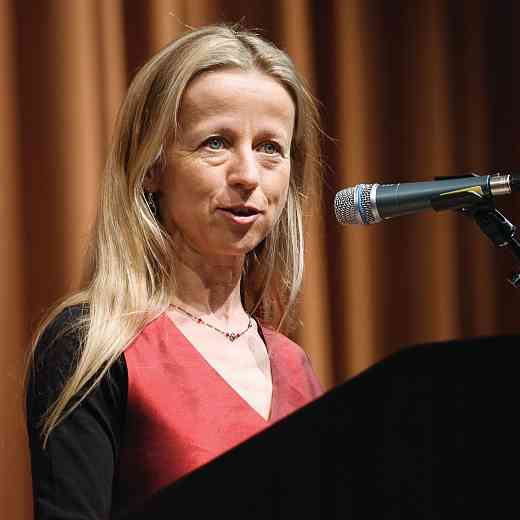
(244, 170)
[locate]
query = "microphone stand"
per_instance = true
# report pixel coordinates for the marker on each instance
(498, 229)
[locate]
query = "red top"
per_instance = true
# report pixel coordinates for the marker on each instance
(181, 413)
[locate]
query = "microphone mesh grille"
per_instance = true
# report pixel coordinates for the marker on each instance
(344, 207)
(354, 205)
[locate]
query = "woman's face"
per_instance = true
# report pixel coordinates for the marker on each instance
(227, 173)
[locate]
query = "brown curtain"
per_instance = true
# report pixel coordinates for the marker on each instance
(410, 91)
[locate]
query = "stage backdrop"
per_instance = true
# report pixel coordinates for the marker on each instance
(409, 91)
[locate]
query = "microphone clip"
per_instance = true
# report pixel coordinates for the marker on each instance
(497, 228)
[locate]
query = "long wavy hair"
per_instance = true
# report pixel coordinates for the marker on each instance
(129, 278)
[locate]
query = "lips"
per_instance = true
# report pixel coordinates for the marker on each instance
(240, 214)
(242, 211)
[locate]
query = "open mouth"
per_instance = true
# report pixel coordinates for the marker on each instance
(241, 215)
(241, 211)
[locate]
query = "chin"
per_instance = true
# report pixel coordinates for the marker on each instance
(244, 244)
(240, 248)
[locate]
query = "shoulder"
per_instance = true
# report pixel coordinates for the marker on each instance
(59, 343)
(56, 355)
(293, 362)
(283, 346)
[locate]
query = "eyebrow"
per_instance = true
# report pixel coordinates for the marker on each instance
(229, 129)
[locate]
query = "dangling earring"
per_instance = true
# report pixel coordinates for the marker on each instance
(151, 203)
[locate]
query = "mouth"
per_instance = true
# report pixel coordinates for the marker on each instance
(241, 214)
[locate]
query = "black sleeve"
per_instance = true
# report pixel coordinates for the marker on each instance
(74, 474)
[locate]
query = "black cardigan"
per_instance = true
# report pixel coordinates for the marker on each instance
(73, 475)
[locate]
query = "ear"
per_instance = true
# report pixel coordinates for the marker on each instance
(152, 180)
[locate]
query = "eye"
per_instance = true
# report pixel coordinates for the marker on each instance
(270, 148)
(214, 143)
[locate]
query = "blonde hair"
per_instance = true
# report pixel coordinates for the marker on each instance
(129, 277)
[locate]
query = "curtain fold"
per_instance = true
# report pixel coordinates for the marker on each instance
(15, 481)
(408, 90)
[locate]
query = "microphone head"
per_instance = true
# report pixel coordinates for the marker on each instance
(357, 205)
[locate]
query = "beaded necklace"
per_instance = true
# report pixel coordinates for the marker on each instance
(231, 336)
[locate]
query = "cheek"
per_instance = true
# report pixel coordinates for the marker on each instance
(279, 192)
(184, 191)
(174, 203)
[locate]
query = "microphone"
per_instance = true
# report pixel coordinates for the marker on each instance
(373, 203)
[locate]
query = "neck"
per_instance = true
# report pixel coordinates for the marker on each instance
(209, 286)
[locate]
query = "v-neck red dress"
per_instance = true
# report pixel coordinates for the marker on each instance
(181, 413)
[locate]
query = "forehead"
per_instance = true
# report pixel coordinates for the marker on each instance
(232, 91)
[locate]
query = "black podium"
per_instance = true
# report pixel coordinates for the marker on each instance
(429, 432)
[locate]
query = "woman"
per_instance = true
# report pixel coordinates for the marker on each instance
(170, 356)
